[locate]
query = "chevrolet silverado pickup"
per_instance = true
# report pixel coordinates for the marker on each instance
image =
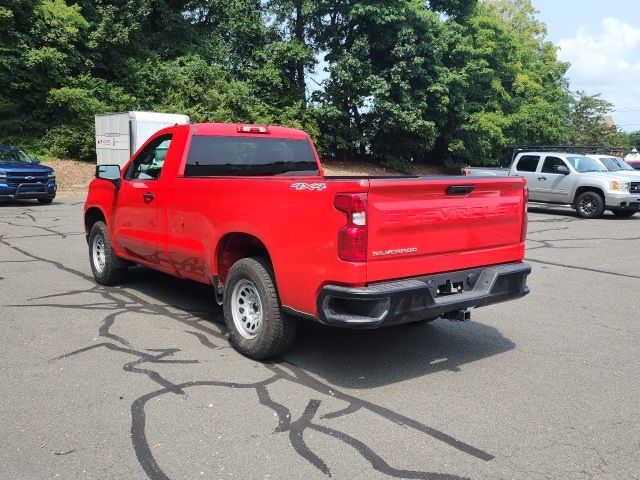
(22, 177)
(566, 178)
(248, 210)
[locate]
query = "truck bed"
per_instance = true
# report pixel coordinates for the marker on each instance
(486, 171)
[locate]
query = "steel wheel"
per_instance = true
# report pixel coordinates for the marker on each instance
(246, 309)
(252, 312)
(98, 253)
(107, 268)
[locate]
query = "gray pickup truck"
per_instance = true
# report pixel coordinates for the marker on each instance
(565, 178)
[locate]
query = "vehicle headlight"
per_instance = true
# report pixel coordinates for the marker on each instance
(51, 176)
(620, 186)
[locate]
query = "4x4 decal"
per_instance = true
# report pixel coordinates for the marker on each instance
(309, 186)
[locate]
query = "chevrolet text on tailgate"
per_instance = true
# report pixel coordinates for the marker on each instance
(248, 210)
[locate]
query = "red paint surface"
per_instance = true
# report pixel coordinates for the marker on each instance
(417, 227)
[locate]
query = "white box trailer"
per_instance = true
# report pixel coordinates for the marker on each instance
(119, 135)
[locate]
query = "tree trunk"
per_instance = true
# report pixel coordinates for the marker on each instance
(299, 36)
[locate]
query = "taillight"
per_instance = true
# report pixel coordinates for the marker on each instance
(252, 129)
(352, 238)
(525, 219)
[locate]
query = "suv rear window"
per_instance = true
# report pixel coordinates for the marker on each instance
(527, 163)
(229, 156)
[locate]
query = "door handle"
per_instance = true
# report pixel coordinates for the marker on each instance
(148, 197)
(542, 178)
(459, 189)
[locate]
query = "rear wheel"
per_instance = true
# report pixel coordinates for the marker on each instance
(257, 326)
(106, 266)
(624, 213)
(589, 205)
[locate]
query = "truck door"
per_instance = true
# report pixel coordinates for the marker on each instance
(526, 166)
(136, 222)
(553, 185)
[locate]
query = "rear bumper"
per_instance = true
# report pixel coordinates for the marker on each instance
(402, 301)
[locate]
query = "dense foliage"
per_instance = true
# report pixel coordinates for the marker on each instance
(396, 81)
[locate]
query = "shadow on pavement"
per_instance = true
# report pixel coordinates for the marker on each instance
(347, 358)
(372, 358)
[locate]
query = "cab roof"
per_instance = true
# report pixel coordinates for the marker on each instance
(231, 129)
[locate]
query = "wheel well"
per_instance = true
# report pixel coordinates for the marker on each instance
(92, 216)
(235, 246)
(581, 190)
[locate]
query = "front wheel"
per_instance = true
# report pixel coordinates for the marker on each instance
(257, 326)
(623, 213)
(106, 266)
(589, 205)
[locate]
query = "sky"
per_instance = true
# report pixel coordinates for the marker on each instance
(601, 40)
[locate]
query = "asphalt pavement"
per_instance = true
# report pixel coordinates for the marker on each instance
(138, 381)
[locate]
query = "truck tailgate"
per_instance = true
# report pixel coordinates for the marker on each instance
(432, 225)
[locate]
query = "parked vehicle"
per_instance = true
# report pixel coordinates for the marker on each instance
(633, 159)
(248, 209)
(118, 135)
(22, 176)
(615, 164)
(560, 177)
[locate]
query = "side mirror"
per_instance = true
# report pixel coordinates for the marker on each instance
(109, 172)
(563, 170)
(35, 160)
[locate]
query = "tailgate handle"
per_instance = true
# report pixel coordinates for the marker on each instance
(459, 189)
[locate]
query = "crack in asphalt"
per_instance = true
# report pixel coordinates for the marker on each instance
(130, 303)
(46, 229)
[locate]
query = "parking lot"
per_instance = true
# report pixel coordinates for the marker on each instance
(138, 381)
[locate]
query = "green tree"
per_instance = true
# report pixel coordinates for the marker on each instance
(504, 85)
(453, 81)
(632, 139)
(383, 59)
(588, 123)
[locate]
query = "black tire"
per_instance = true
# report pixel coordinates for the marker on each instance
(276, 330)
(589, 205)
(45, 201)
(624, 213)
(112, 271)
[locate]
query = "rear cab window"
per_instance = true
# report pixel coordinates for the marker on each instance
(252, 156)
(528, 163)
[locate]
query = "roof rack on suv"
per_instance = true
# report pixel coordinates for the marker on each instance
(578, 149)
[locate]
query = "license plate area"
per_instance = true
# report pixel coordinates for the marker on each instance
(450, 288)
(453, 283)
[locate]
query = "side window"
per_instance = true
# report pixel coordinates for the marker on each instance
(148, 164)
(527, 163)
(551, 164)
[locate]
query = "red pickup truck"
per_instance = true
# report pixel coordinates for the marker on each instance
(248, 210)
